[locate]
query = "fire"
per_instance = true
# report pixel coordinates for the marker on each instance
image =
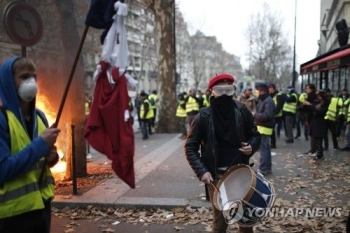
(42, 103)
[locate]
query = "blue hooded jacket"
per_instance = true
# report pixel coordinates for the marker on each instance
(13, 165)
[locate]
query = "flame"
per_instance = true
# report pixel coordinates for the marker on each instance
(42, 103)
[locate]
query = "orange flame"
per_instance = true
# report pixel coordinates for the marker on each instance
(42, 103)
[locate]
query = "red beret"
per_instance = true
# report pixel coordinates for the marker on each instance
(220, 77)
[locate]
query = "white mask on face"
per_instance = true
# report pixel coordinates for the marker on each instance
(28, 89)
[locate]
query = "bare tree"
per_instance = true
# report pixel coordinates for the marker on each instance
(269, 54)
(69, 34)
(183, 53)
(199, 57)
(164, 12)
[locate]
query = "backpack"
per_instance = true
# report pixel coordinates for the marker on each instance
(151, 101)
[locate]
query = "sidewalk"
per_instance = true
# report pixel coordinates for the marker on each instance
(163, 179)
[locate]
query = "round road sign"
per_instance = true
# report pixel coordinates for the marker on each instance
(23, 23)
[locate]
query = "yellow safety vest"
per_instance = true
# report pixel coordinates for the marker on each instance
(291, 107)
(206, 102)
(23, 193)
(191, 104)
(87, 108)
(279, 114)
(348, 113)
(331, 113)
(302, 97)
(150, 113)
(180, 112)
(340, 104)
(265, 130)
(346, 106)
(155, 98)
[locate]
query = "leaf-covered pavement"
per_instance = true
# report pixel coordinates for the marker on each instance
(300, 183)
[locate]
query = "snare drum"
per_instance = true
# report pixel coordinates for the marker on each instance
(243, 195)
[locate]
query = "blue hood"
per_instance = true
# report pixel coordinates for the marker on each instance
(13, 165)
(8, 93)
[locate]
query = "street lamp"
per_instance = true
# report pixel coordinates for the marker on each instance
(294, 73)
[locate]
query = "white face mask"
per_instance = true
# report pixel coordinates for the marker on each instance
(28, 89)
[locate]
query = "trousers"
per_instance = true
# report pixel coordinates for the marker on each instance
(219, 223)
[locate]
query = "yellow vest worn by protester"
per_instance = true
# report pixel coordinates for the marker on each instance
(191, 105)
(206, 102)
(346, 106)
(291, 107)
(23, 193)
(180, 112)
(302, 97)
(150, 113)
(348, 114)
(341, 104)
(87, 108)
(332, 113)
(279, 114)
(155, 99)
(265, 130)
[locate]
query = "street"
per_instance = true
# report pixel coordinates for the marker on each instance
(170, 187)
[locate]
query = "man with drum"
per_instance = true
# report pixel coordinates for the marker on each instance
(226, 136)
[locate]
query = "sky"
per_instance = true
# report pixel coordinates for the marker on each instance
(228, 21)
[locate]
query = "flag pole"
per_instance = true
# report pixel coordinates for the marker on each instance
(65, 93)
(59, 113)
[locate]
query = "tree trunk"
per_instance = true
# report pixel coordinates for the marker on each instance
(163, 10)
(74, 113)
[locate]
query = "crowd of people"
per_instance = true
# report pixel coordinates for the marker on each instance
(225, 130)
(293, 112)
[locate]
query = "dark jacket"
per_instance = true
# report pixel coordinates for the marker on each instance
(318, 127)
(265, 112)
(311, 98)
(280, 99)
(202, 137)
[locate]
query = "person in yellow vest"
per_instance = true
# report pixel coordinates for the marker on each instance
(302, 115)
(265, 121)
(206, 98)
(146, 114)
(153, 100)
(278, 100)
(87, 105)
(192, 105)
(331, 118)
(343, 102)
(26, 152)
(347, 131)
(289, 113)
(181, 115)
(200, 98)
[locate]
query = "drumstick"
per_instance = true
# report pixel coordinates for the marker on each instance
(214, 186)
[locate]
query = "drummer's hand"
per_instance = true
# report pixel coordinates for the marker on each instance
(246, 149)
(207, 178)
